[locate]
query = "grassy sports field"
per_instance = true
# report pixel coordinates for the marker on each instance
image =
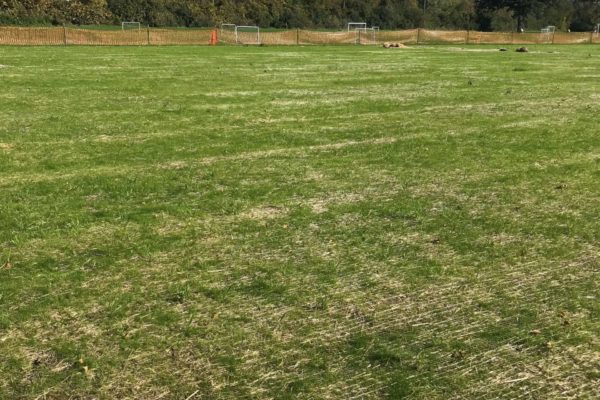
(299, 222)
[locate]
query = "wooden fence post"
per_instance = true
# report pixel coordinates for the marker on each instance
(418, 34)
(64, 35)
(468, 36)
(297, 36)
(592, 37)
(148, 34)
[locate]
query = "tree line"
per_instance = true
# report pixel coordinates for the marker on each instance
(486, 15)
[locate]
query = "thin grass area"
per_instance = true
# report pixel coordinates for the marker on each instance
(299, 222)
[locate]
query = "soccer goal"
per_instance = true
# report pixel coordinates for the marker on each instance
(548, 33)
(247, 34)
(597, 30)
(129, 25)
(366, 35)
(227, 33)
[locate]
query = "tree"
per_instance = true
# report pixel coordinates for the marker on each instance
(586, 15)
(519, 8)
(449, 14)
(578, 15)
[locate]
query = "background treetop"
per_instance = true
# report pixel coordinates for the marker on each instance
(503, 15)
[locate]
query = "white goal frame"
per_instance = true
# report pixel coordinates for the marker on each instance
(237, 32)
(356, 25)
(134, 23)
(370, 34)
(597, 30)
(549, 32)
(227, 33)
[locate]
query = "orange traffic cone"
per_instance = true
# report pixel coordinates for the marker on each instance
(213, 37)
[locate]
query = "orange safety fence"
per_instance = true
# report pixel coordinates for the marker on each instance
(490, 37)
(280, 38)
(179, 36)
(410, 36)
(575, 37)
(316, 37)
(32, 36)
(105, 38)
(456, 37)
(154, 36)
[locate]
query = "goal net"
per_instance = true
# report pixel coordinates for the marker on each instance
(227, 33)
(366, 35)
(548, 33)
(129, 25)
(247, 34)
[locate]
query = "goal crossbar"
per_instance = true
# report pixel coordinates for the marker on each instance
(356, 25)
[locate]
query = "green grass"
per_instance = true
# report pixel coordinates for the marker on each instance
(299, 222)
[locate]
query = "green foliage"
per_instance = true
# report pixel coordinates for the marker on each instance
(330, 14)
(586, 15)
(450, 14)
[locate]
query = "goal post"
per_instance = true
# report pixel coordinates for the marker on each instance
(247, 34)
(129, 25)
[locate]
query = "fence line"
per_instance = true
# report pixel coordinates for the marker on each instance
(61, 36)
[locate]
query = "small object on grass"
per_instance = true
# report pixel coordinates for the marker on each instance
(535, 332)
(458, 354)
(522, 50)
(388, 45)
(502, 49)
